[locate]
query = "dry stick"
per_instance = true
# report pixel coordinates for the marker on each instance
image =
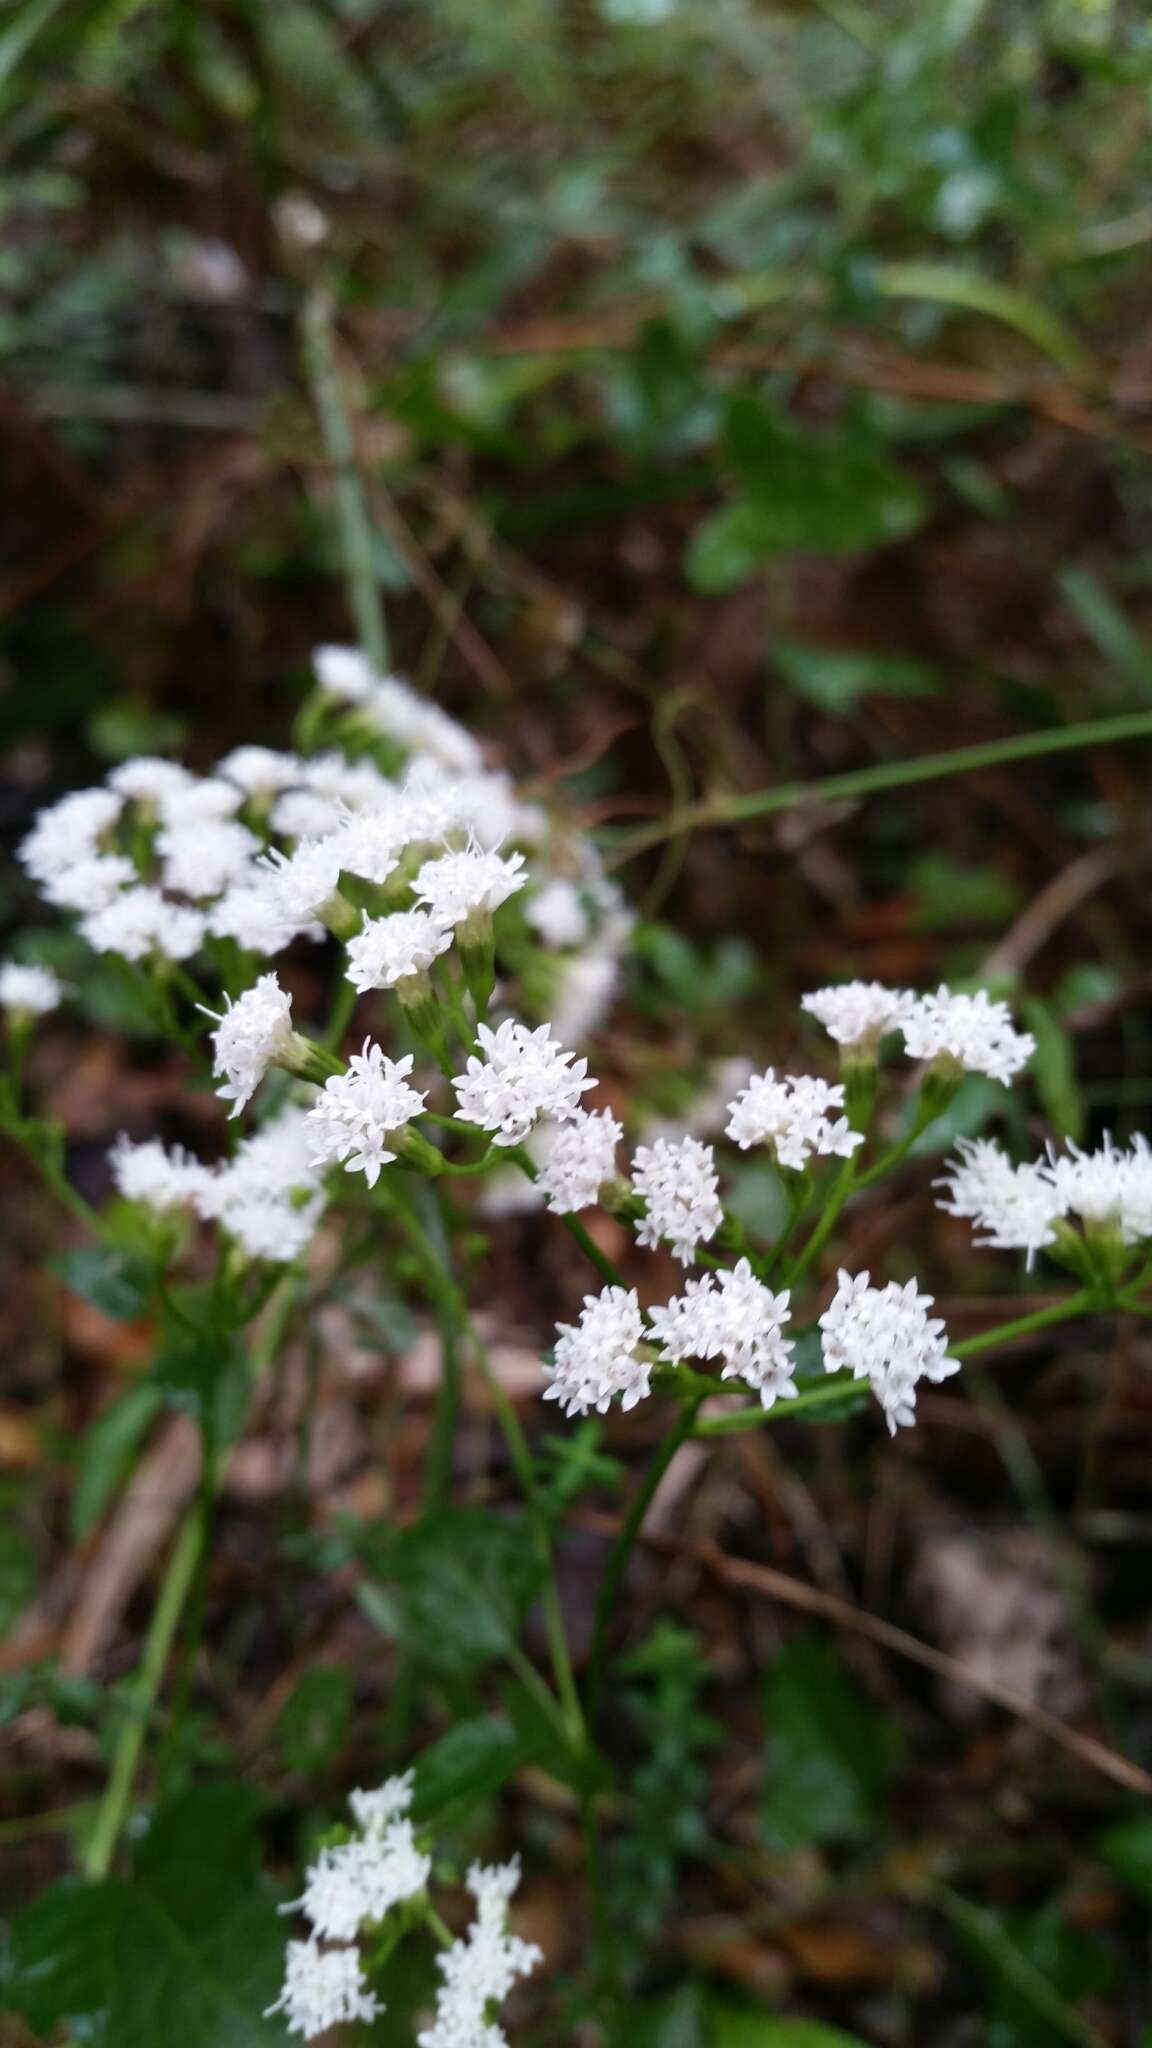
(776, 1585)
(787, 796)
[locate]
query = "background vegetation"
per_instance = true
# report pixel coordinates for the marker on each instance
(740, 395)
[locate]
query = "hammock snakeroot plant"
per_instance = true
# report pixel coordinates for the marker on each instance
(478, 943)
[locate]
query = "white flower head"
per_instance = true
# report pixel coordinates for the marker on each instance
(254, 1033)
(733, 1316)
(67, 832)
(579, 1157)
(1013, 1207)
(260, 772)
(458, 887)
(1107, 1188)
(203, 800)
(241, 913)
(885, 1335)
(372, 843)
(679, 1183)
(858, 1014)
(480, 1969)
(358, 1882)
(301, 885)
(392, 949)
(344, 673)
(322, 1988)
(374, 1809)
(558, 914)
(598, 1357)
(142, 924)
(29, 991)
(160, 1177)
(973, 1032)
(524, 1075)
(201, 860)
(91, 884)
(150, 778)
(789, 1113)
(358, 1115)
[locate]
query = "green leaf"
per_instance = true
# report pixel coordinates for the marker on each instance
(464, 1767)
(1105, 623)
(464, 1582)
(830, 1751)
(835, 679)
(737, 2026)
(107, 1452)
(315, 1718)
(1035, 1967)
(814, 493)
(188, 1953)
(117, 1282)
(1127, 1849)
(946, 284)
(204, 1371)
(678, 2021)
(1053, 1068)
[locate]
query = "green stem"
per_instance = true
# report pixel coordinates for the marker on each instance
(837, 1196)
(442, 1284)
(353, 525)
(174, 1591)
(620, 1555)
(763, 803)
(1041, 1319)
(808, 1403)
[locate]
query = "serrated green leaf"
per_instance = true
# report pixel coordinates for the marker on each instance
(829, 1750)
(189, 1952)
(463, 1583)
(471, 1761)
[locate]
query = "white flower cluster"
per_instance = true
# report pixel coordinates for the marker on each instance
(789, 1113)
(733, 1316)
(28, 991)
(1017, 1207)
(159, 863)
(885, 1335)
(600, 1356)
(359, 1115)
(348, 1889)
(267, 1197)
(523, 1076)
(580, 1156)
(882, 1334)
(680, 1187)
(480, 1969)
(971, 1032)
(253, 1034)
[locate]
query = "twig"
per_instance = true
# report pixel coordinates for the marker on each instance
(771, 1584)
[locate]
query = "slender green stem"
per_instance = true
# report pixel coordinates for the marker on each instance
(1041, 1319)
(608, 1272)
(353, 525)
(808, 1403)
(343, 1004)
(442, 1282)
(177, 1584)
(837, 1196)
(763, 803)
(620, 1555)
